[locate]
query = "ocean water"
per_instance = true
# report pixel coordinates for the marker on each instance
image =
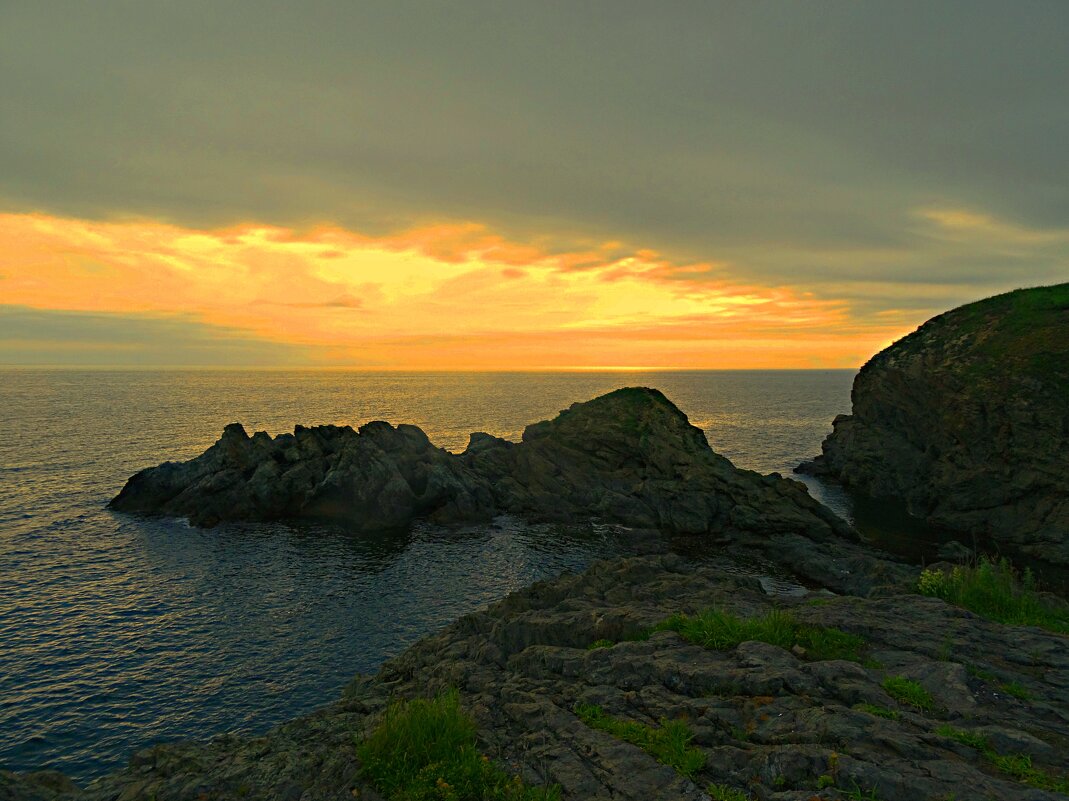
(117, 631)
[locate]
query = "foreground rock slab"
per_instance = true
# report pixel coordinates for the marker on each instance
(629, 457)
(769, 721)
(966, 421)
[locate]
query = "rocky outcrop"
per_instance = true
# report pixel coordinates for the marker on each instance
(629, 457)
(966, 421)
(778, 724)
(379, 477)
(775, 723)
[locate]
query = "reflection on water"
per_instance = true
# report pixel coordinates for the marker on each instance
(881, 523)
(118, 631)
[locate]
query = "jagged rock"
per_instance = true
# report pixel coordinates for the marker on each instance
(966, 421)
(770, 721)
(629, 457)
(379, 477)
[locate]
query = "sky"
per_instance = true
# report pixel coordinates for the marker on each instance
(517, 185)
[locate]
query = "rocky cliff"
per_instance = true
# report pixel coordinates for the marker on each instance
(629, 457)
(876, 693)
(767, 722)
(966, 420)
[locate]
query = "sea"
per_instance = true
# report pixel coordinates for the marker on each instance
(117, 632)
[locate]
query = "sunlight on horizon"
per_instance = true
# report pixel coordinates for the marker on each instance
(446, 296)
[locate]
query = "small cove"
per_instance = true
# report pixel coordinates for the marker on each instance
(119, 631)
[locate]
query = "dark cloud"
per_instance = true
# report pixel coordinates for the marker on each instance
(697, 128)
(36, 337)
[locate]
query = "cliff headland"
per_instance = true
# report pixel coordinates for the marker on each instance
(966, 423)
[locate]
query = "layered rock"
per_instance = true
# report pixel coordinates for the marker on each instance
(966, 421)
(772, 722)
(629, 457)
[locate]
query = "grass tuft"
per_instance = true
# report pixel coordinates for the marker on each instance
(1019, 766)
(721, 792)
(721, 631)
(1016, 689)
(907, 691)
(969, 738)
(426, 751)
(879, 711)
(980, 673)
(669, 744)
(993, 589)
(600, 644)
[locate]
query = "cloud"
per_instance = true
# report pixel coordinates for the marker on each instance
(435, 297)
(62, 338)
(793, 141)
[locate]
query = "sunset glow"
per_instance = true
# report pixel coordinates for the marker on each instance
(447, 296)
(532, 187)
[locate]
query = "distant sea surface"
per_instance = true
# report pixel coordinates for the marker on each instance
(117, 632)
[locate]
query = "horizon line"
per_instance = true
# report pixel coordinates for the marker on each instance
(362, 369)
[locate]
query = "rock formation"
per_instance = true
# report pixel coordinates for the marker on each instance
(379, 477)
(966, 420)
(774, 722)
(629, 457)
(778, 723)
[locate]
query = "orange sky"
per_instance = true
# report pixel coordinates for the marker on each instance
(446, 296)
(545, 186)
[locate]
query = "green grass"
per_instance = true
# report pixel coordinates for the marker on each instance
(721, 792)
(426, 751)
(1016, 690)
(600, 644)
(1018, 766)
(721, 631)
(980, 673)
(993, 589)
(669, 743)
(971, 739)
(907, 691)
(1009, 335)
(879, 711)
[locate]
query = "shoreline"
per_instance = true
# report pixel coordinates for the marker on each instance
(524, 663)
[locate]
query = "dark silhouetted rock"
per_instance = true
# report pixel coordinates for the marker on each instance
(379, 477)
(629, 457)
(966, 420)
